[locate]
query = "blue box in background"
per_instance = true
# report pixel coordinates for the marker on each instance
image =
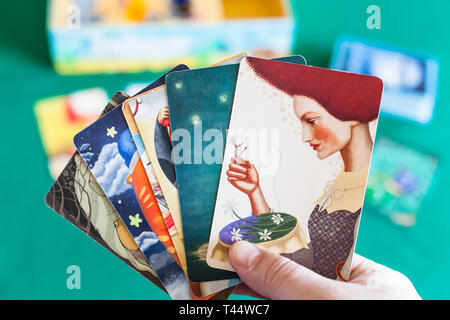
(410, 78)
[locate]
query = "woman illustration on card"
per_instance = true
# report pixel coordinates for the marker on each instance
(334, 115)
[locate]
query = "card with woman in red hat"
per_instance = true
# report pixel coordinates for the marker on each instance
(296, 163)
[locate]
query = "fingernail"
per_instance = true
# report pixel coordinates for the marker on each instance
(245, 254)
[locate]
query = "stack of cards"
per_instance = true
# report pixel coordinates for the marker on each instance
(269, 151)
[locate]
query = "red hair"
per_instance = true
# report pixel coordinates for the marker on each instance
(346, 96)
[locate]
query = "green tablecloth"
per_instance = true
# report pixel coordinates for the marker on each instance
(37, 245)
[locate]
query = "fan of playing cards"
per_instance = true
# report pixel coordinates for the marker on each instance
(273, 152)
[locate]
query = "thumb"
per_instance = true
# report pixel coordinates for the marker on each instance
(277, 277)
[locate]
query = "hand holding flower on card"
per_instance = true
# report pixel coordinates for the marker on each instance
(243, 175)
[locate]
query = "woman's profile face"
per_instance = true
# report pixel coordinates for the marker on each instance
(324, 133)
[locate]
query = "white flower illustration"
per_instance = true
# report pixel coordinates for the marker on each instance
(230, 206)
(236, 235)
(277, 219)
(265, 235)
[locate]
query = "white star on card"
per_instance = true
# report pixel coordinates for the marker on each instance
(111, 132)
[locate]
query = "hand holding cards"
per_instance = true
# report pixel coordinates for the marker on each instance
(275, 153)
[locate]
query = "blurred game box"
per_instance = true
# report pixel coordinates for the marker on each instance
(109, 36)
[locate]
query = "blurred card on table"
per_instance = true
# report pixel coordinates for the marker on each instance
(59, 118)
(397, 187)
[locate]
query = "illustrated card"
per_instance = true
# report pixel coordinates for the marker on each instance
(152, 131)
(199, 289)
(130, 108)
(200, 103)
(109, 152)
(115, 163)
(151, 115)
(295, 167)
(90, 210)
(78, 198)
(152, 184)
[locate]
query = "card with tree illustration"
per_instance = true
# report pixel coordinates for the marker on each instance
(77, 197)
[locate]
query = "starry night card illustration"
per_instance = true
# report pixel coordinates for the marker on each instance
(110, 153)
(295, 166)
(78, 198)
(200, 103)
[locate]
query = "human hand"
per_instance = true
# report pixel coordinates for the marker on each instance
(268, 275)
(243, 175)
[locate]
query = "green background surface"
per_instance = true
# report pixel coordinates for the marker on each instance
(37, 245)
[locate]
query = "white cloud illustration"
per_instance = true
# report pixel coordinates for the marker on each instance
(145, 240)
(111, 171)
(85, 152)
(84, 147)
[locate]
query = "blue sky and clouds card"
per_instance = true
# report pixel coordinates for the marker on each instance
(110, 153)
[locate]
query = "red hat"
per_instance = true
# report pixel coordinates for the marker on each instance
(346, 96)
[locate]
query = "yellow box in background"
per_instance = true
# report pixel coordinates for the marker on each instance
(60, 118)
